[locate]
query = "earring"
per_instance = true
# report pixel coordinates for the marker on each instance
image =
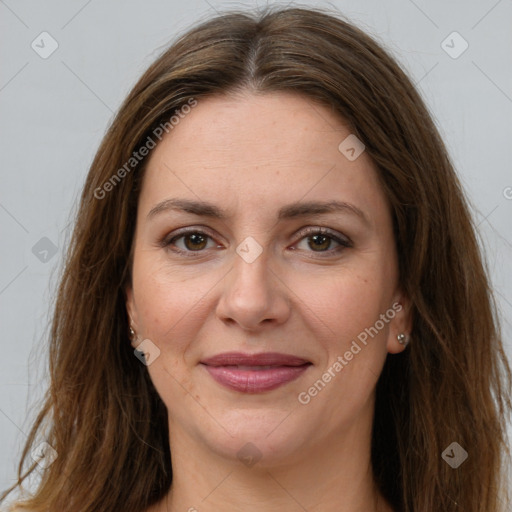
(403, 339)
(132, 333)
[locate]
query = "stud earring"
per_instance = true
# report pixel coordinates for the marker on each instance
(403, 339)
(132, 333)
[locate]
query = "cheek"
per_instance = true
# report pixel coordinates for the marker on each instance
(171, 312)
(353, 335)
(343, 315)
(170, 304)
(343, 304)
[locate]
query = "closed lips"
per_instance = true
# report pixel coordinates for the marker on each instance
(241, 367)
(254, 373)
(262, 361)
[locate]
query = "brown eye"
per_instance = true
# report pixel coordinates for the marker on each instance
(323, 240)
(320, 242)
(195, 241)
(188, 242)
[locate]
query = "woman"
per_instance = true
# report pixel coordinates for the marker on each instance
(273, 223)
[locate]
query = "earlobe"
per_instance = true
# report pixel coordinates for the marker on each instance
(401, 326)
(403, 339)
(397, 344)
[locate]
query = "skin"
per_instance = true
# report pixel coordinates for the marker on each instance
(251, 155)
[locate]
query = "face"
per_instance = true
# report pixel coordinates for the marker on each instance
(256, 234)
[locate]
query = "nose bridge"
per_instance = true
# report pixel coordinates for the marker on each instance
(251, 266)
(252, 294)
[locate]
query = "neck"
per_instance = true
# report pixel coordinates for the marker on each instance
(335, 476)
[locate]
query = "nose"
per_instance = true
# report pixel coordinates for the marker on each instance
(253, 296)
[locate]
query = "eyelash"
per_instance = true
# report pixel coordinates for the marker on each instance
(344, 243)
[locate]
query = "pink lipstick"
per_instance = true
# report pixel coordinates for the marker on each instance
(254, 373)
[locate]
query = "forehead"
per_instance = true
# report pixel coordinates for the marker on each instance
(248, 148)
(271, 127)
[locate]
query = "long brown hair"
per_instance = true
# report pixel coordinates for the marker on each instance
(102, 414)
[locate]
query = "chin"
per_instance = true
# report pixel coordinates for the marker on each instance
(255, 437)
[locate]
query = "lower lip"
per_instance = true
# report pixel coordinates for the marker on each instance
(255, 381)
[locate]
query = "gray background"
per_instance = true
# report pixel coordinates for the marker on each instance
(54, 112)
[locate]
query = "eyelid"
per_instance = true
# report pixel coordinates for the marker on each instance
(343, 241)
(170, 239)
(314, 230)
(185, 231)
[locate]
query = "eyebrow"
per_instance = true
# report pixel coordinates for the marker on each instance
(293, 210)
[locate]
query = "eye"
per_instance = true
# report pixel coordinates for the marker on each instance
(322, 239)
(190, 240)
(317, 240)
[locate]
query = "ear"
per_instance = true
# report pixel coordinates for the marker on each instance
(131, 311)
(401, 322)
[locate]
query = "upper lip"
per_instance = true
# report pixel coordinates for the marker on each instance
(261, 359)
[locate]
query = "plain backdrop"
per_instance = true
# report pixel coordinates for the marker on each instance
(55, 108)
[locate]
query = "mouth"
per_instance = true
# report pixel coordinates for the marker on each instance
(254, 360)
(255, 368)
(254, 373)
